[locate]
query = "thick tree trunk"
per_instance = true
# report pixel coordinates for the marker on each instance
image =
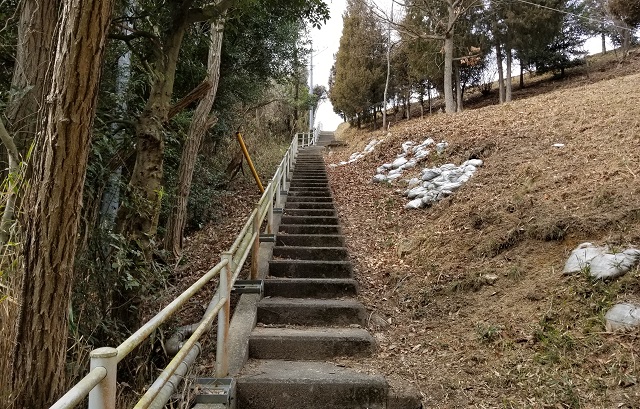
(31, 79)
(52, 206)
(138, 219)
(200, 124)
(34, 51)
(603, 38)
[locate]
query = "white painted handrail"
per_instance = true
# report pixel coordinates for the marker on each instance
(100, 383)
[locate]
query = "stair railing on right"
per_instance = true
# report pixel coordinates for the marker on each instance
(100, 383)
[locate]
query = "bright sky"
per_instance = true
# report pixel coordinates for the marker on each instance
(325, 44)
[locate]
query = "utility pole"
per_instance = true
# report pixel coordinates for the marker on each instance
(311, 88)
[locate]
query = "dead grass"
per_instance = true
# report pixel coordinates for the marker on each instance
(532, 337)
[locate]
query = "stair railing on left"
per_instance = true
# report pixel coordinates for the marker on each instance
(100, 383)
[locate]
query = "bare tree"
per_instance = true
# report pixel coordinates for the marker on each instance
(200, 124)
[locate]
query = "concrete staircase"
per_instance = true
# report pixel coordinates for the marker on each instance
(309, 315)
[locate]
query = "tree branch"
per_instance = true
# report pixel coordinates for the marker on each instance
(210, 11)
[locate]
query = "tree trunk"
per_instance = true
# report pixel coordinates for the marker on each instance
(386, 83)
(34, 51)
(138, 219)
(521, 75)
(459, 106)
(200, 124)
(603, 38)
(501, 90)
(52, 205)
(12, 186)
(508, 84)
(448, 73)
(448, 59)
(31, 79)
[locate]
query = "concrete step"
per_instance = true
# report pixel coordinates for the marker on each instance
(309, 205)
(310, 269)
(311, 240)
(311, 253)
(309, 199)
(310, 312)
(310, 212)
(326, 220)
(310, 287)
(275, 384)
(309, 229)
(309, 343)
(309, 193)
(310, 188)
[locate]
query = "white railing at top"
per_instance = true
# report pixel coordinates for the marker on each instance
(100, 383)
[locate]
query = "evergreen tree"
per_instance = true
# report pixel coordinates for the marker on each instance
(360, 65)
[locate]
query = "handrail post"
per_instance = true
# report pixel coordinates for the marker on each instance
(255, 248)
(222, 356)
(270, 211)
(279, 186)
(103, 396)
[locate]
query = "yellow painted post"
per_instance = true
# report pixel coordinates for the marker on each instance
(249, 161)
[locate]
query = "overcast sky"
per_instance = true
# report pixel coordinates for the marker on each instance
(325, 44)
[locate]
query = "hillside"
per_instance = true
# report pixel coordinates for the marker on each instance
(467, 298)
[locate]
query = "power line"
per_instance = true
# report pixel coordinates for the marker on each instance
(601, 21)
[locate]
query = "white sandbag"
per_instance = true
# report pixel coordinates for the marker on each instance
(414, 204)
(622, 316)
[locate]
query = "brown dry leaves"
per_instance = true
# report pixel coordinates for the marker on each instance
(530, 337)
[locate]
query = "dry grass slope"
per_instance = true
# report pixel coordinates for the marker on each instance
(467, 298)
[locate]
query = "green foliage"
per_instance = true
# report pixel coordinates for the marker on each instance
(360, 67)
(627, 11)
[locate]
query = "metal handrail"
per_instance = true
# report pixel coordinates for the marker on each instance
(100, 383)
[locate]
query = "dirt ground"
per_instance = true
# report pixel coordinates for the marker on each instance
(467, 298)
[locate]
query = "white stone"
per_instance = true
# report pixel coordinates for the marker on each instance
(421, 154)
(622, 316)
(416, 192)
(474, 162)
(413, 182)
(407, 145)
(558, 145)
(440, 147)
(448, 166)
(428, 141)
(470, 169)
(450, 186)
(611, 265)
(409, 165)
(414, 204)
(395, 172)
(379, 178)
(429, 174)
(394, 176)
(399, 162)
(580, 258)
(387, 165)
(381, 169)
(600, 262)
